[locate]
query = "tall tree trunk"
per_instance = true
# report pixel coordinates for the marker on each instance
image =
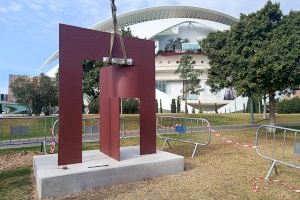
(251, 109)
(272, 107)
(265, 107)
(185, 97)
(259, 102)
(186, 109)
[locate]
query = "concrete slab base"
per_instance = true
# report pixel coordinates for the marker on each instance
(98, 170)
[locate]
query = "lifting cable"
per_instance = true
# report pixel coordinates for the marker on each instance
(116, 31)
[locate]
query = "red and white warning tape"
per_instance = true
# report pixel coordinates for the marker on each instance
(229, 141)
(255, 187)
(54, 141)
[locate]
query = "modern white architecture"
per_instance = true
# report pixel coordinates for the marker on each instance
(171, 43)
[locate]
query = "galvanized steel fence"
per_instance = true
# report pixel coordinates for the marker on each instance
(280, 145)
(16, 130)
(30, 130)
(195, 131)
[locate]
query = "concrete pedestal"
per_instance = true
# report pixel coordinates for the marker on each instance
(98, 170)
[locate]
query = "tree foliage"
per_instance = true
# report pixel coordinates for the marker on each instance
(40, 94)
(178, 107)
(289, 106)
(94, 105)
(126, 32)
(260, 55)
(90, 82)
(130, 106)
(190, 77)
(173, 106)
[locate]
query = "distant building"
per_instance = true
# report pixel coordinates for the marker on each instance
(295, 94)
(3, 97)
(11, 79)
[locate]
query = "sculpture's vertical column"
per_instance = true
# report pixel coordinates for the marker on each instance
(70, 102)
(109, 115)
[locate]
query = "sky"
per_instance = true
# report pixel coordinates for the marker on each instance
(29, 28)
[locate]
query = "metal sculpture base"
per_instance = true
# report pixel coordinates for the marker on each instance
(99, 170)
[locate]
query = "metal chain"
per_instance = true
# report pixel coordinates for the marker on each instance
(116, 32)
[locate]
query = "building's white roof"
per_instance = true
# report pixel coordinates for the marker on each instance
(165, 12)
(155, 13)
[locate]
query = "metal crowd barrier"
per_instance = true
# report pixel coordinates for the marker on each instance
(91, 128)
(24, 130)
(278, 144)
(195, 131)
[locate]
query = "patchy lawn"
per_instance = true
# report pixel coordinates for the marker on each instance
(219, 171)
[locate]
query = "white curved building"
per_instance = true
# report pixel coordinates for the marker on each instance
(189, 31)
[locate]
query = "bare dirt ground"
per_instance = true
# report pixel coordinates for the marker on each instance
(11, 161)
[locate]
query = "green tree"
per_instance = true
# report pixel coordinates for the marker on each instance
(90, 82)
(178, 107)
(126, 32)
(173, 106)
(289, 106)
(216, 108)
(258, 56)
(48, 92)
(94, 106)
(39, 94)
(199, 107)
(130, 106)
(189, 76)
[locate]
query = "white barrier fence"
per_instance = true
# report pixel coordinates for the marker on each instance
(195, 131)
(280, 145)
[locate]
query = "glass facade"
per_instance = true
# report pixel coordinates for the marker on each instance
(161, 85)
(190, 46)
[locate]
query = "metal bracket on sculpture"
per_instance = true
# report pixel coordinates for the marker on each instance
(118, 61)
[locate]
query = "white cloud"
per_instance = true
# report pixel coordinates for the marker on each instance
(11, 7)
(36, 6)
(3, 20)
(15, 7)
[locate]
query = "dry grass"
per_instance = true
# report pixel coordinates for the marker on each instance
(11, 161)
(219, 171)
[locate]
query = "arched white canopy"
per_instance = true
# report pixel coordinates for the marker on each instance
(155, 13)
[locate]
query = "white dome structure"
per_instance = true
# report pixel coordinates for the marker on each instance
(156, 13)
(188, 33)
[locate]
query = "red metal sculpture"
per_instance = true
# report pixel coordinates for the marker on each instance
(77, 44)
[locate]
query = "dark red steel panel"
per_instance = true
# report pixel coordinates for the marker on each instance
(76, 44)
(130, 81)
